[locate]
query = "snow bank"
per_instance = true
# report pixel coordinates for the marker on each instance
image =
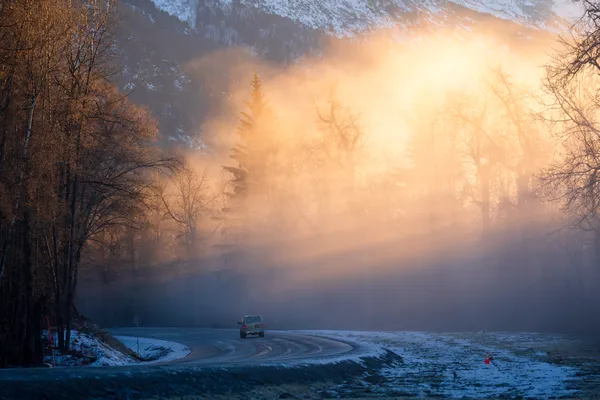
(89, 350)
(86, 350)
(452, 365)
(154, 350)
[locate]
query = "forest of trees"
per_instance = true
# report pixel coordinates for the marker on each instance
(75, 161)
(83, 185)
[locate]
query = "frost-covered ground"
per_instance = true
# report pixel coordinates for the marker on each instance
(154, 350)
(86, 350)
(452, 365)
(89, 350)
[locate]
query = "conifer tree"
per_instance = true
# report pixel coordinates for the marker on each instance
(250, 156)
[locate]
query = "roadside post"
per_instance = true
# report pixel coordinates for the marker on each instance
(50, 340)
(136, 322)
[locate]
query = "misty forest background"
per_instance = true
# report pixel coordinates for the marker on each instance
(486, 218)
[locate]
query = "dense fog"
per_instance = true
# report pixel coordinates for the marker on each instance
(395, 186)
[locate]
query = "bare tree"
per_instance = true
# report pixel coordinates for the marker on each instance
(43, 36)
(573, 85)
(74, 156)
(480, 143)
(191, 200)
(335, 151)
(434, 151)
(579, 51)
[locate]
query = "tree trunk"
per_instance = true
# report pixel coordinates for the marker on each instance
(132, 260)
(485, 199)
(69, 287)
(17, 201)
(4, 128)
(29, 340)
(57, 291)
(597, 247)
(37, 320)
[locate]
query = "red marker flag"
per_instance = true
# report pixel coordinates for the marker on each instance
(490, 360)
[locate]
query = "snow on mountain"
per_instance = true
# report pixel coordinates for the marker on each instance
(184, 10)
(162, 36)
(344, 18)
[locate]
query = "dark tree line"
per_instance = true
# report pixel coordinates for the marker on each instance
(74, 161)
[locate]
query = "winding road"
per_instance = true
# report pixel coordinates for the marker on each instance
(220, 363)
(210, 348)
(224, 346)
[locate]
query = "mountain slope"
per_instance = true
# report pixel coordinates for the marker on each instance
(344, 18)
(159, 38)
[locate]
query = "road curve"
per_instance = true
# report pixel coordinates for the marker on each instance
(210, 348)
(224, 346)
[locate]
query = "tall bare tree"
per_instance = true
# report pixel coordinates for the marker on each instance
(191, 201)
(573, 85)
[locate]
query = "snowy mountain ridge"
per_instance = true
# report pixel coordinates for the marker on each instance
(344, 18)
(160, 37)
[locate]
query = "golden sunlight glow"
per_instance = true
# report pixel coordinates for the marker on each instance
(437, 137)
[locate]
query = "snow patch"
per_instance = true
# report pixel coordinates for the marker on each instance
(184, 10)
(155, 350)
(178, 84)
(193, 142)
(86, 350)
(181, 80)
(145, 14)
(89, 350)
(452, 365)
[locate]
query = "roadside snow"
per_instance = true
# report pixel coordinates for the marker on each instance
(87, 350)
(452, 365)
(154, 350)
